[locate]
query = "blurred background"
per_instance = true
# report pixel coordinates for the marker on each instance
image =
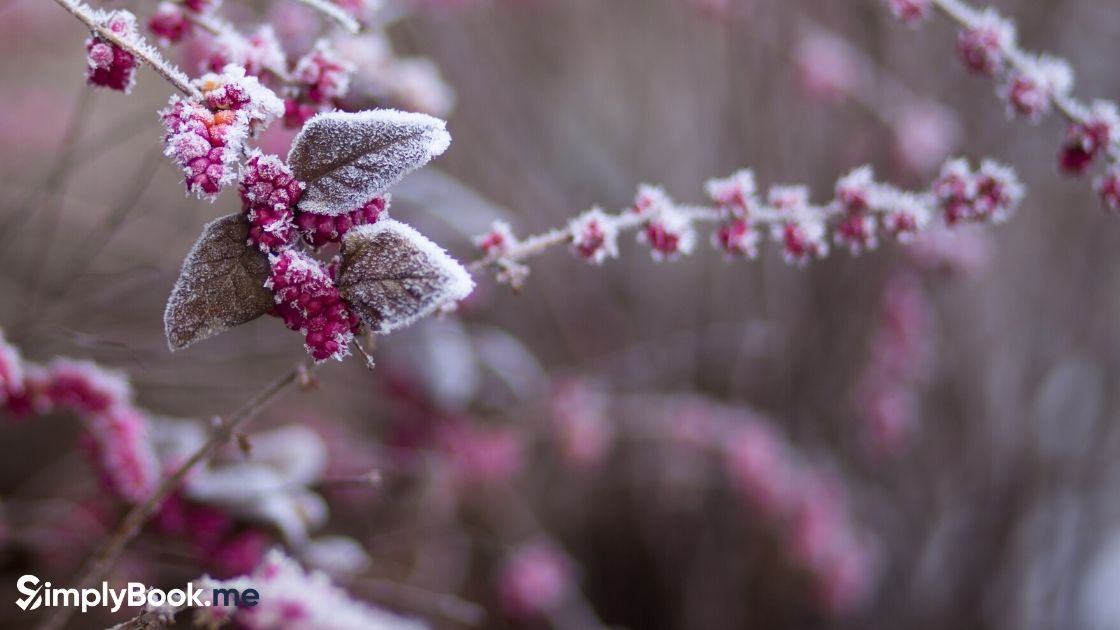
(917, 437)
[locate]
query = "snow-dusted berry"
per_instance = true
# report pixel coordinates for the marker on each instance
(497, 241)
(594, 236)
(109, 65)
(910, 11)
(736, 238)
(256, 53)
(1088, 139)
(856, 228)
(668, 230)
(1030, 91)
(233, 89)
(983, 46)
(802, 235)
(955, 188)
(1108, 187)
(324, 75)
(998, 192)
(735, 195)
(308, 300)
(319, 229)
(904, 215)
(169, 23)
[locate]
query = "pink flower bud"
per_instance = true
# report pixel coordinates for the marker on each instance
(534, 581)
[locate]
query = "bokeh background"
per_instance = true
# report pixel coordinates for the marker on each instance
(987, 498)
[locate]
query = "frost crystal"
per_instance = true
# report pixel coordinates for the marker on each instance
(346, 159)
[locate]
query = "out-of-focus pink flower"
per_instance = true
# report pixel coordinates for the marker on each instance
(482, 455)
(580, 423)
(122, 450)
(925, 133)
(911, 11)
(759, 467)
(534, 581)
(826, 66)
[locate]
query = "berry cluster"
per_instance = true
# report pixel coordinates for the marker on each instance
(308, 301)
(321, 77)
(109, 65)
(1033, 86)
(318, 230)
(206, 136)
(269, 193)
(117, 436)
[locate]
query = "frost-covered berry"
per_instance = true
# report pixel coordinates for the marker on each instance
(269, 193)
(668, 231)
(534, 581)
(594, 236)
(955, 188)
(854, 192)
(233, 89)
(1108, 187)
(255, 53)
(983, 46)
(108, 65)
(324, 74)
(306, 296)
(1088, 139)
(910, 11)
(736, 195)
(1030, 91)
(497, 241)
(123, 453)
(736, 239)
(319, 229)
(904, 215)
(998, 192)
(169, 23)
(296, 113)
(802, 234)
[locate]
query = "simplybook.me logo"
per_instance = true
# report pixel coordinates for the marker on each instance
(38, 594)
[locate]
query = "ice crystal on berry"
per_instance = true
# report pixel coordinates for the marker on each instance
(1096, 131)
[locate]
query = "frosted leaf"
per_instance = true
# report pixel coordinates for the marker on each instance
(392, 275)
(346, 159)
(221, 285)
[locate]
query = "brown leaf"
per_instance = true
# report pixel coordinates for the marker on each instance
(221, 284)
(392, 275)
(346, 158)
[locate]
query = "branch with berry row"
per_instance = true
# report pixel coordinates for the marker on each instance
(1033, 85)
(862, 212)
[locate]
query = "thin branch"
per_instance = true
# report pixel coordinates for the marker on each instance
(98, 566)
(145, 53)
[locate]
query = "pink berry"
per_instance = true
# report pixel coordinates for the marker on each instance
(318, 230)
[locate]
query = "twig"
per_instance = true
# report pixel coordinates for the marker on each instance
(148, 55)
(99, 565)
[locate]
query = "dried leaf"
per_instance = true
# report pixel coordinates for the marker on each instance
(221, 285)
(392, 275)
(346, 159)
